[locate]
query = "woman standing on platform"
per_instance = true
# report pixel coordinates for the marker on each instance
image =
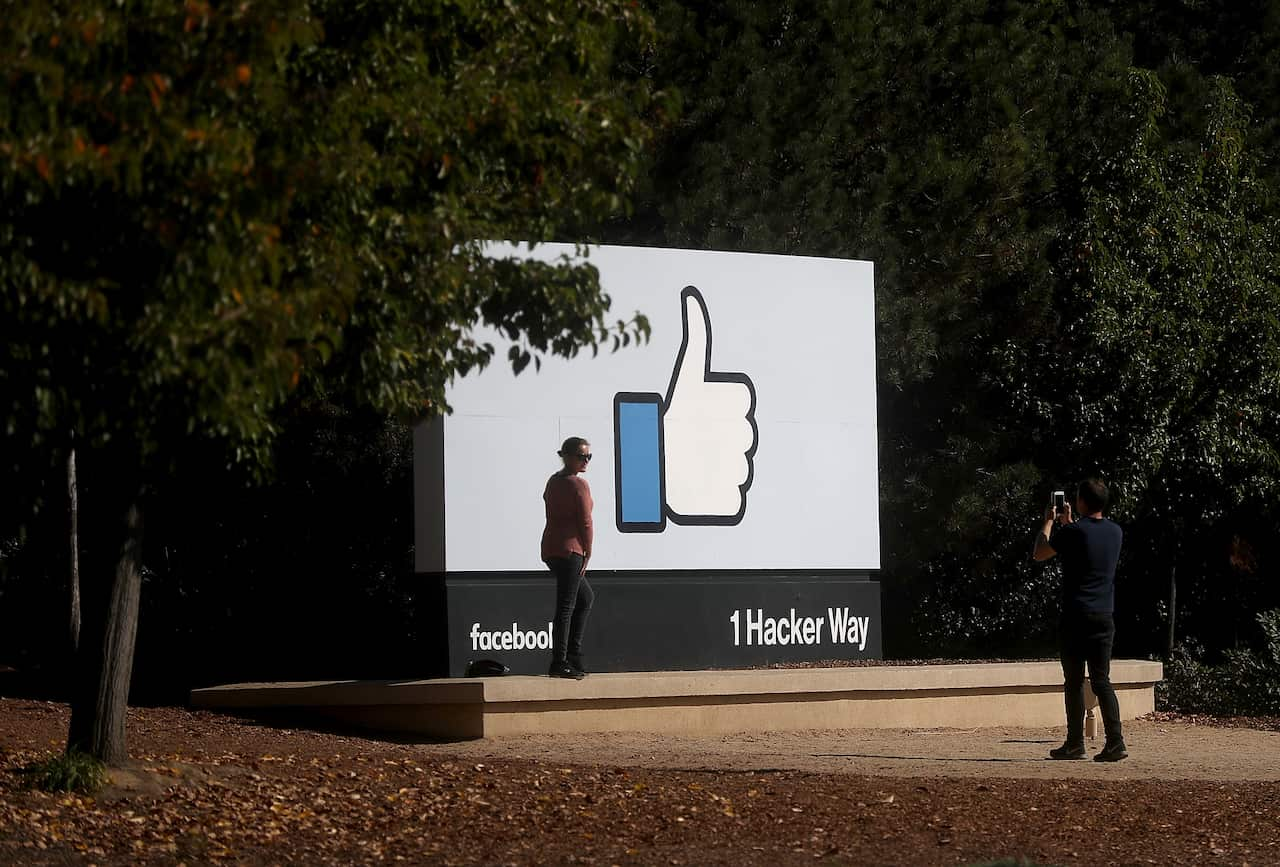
(566, 549)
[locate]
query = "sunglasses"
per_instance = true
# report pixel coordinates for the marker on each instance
(581, 457)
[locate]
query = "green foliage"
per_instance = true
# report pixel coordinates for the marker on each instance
(1246, 682)
(209, 211)
(1075, 266)
(946, 142)
(208, 215)
(1169, 309)
(983, 582)
(205, 208)
(67, 772)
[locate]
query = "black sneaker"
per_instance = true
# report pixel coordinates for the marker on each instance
(1068, 751)
(1112, 753)
(565, 670)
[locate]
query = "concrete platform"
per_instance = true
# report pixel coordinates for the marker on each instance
(696, 702)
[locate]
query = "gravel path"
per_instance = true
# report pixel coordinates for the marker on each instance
(1159, 749)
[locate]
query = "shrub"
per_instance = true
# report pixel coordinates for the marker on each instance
(1245, 683)
(67, 772)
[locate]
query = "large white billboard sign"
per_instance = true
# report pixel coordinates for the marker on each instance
(742, 436)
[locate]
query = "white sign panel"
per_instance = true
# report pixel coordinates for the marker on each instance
(742, 436)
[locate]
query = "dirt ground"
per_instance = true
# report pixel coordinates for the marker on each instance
(1172, 748)
(207, 788)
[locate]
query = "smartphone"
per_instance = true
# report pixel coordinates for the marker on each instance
(1059, 500)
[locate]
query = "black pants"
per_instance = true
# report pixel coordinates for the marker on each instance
(1087, 639)
(573, 604)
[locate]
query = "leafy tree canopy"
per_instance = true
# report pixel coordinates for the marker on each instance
(1038, 207)
(1169, 312)
(205, 207)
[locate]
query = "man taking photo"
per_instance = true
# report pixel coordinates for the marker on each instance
(1088, 547)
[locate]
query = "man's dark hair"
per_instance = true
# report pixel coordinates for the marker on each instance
(1094, 494)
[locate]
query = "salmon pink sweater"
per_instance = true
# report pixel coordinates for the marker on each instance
(569, 529)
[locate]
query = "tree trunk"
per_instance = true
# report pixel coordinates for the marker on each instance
(73, 508)
(105, 661)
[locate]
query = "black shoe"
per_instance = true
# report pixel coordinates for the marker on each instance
(565, 670)
(1068, 751)
(1112, 753)
(575, 662)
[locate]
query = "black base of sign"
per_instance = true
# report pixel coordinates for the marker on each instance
(666, 621)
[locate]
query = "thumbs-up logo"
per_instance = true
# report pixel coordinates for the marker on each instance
(687, 457)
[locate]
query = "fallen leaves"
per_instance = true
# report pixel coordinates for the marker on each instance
(226, 790)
